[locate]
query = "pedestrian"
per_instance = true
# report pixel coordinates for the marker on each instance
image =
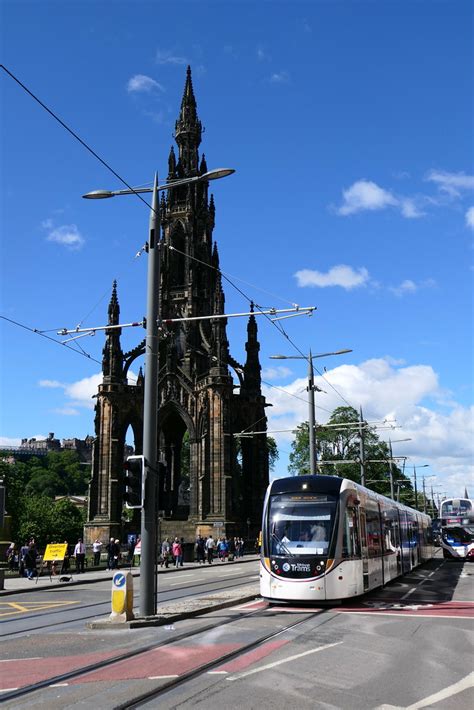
(210, 550)
(177, 550)
(165, 552)
(96, 549)
(80, 555)
(231, 549)
(130, 549)
(222, 549)
(115, 553)
(65, 564)
(29, 561)
(21, 562)
(181, 559)
(110, 552)
(10, 555)
(200, 548)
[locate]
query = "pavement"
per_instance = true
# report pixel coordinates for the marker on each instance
(168, 612)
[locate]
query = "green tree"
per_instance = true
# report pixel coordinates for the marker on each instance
(341, 443)
(47, 521)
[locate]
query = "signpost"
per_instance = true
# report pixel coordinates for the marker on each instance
(122, 597)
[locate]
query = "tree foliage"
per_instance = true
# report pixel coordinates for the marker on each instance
(336, 445)
(32, 484)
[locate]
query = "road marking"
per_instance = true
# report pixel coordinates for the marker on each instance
(15, 660)
(58, 685)
(284, 660)
(12, 608)
(161, 677)
(7, 690)
(217, 672)
(463, 684)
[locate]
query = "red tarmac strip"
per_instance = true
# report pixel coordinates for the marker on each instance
(161, 661)
(21, 673)
(238, 664)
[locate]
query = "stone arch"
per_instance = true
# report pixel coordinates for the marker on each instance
(174, 487)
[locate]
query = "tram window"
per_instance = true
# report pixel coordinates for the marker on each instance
(350, 539)
(391, 533)
(373, 533)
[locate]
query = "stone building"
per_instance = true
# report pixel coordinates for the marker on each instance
(221, 486)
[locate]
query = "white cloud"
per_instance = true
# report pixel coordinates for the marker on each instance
(470, 217)
(80, 393)
(51, 383)
(365, 195)
(273, 373)
(9, 441)
(409, 286)
(451, 183)
(67, 235)
(340, 275)
(140, 83)
(281, 77)
(409, 209)
(384, 389)
(167, 57)
(66, 411)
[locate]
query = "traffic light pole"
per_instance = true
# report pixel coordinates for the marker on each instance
(150, 416)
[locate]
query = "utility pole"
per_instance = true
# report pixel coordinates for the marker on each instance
(312, 418)
(392, 494)
(150, 415)
(416, 488)
(361, 450)
(424, 496)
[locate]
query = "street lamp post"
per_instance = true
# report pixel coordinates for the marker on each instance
(151, 401)
(311, 388)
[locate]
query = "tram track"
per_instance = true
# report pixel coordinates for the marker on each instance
(61, 610)
(141, 699)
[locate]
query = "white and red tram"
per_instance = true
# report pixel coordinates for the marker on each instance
(326, 538)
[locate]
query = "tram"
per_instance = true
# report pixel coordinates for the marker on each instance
(326, 538)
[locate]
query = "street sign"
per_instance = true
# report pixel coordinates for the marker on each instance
(219, 524)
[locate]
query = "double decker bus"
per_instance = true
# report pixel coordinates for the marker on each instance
(456, 511)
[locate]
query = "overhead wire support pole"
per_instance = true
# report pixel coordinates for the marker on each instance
(362, 450)
(150, 416)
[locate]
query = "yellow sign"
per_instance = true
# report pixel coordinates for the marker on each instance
(55, 553)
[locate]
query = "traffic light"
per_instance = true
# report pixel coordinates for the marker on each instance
(134, 492)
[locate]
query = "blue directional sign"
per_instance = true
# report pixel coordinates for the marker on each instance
(119, 580)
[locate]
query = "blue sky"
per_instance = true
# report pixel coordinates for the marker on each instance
(349, 125)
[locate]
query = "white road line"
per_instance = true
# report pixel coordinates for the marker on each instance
(17, 660)
(7, 690)
(217, 672)
(284, 660)
(189, 574)
(463, 684)
(420, 583)
(58, 685)
(160, 677)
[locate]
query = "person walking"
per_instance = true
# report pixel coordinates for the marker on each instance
(110, 552)
(177, 550)
(96, 549)
(165, 552)
(210, 549)
(80, 556)
(200, 548)
(29, 560)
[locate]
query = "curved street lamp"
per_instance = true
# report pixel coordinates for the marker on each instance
(150, 405)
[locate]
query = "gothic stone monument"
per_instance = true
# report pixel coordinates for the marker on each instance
(221, 487)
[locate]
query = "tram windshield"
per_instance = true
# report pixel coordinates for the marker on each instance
(301, 524)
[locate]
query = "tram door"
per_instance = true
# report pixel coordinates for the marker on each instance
(364, 547)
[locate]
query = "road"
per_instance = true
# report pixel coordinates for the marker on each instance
(70, 607)
(406, 646)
